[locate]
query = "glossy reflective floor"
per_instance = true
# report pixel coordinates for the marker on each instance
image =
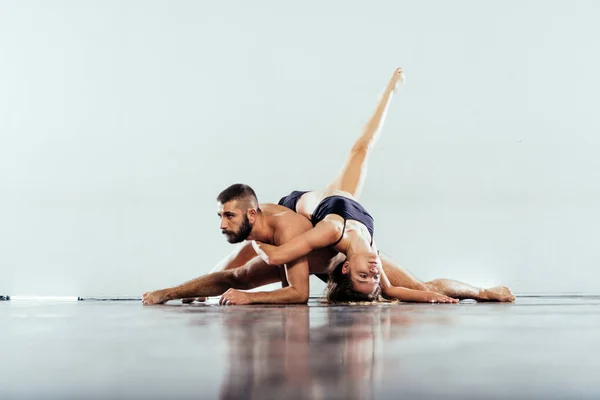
(537, 348)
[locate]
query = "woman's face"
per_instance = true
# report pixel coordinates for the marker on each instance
(364, 271)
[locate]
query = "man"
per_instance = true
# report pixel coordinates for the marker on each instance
(243, 219)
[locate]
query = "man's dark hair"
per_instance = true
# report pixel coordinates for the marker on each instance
(240, 192)
(340, 290)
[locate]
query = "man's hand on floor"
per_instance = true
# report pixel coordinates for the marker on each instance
(234, 297)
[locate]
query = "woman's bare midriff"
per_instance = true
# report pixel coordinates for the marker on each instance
(310, 200)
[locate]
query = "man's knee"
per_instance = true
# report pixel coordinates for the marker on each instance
(430, 286)
(423, 286)
(238, 278)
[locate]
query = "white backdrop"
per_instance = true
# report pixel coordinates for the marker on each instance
(121, 121)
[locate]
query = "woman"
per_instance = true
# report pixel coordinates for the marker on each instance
(343, 223)
(340, 221)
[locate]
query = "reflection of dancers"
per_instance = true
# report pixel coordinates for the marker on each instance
(275, 354)
(267, 353)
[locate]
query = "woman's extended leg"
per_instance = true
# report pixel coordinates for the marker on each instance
(398, 276)
(352, 176)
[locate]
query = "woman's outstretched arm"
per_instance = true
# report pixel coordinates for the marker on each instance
(411, 295)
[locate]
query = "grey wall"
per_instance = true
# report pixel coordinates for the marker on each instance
(121, 121)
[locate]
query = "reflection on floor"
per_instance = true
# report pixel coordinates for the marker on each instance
(536, 348)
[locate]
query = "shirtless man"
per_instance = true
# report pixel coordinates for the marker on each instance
(242, 219)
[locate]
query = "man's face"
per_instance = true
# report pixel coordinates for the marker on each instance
(235, 224)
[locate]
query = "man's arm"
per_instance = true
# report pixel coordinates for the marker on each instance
(296, 293)
(297, 274)
(253, 274)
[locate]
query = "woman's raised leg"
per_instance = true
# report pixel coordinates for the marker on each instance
(352, 176)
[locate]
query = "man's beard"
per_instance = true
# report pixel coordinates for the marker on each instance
(242, 234)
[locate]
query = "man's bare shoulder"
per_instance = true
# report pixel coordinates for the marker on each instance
(285, 223)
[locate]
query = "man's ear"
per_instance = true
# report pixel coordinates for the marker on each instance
(252, 215)
(346, 268)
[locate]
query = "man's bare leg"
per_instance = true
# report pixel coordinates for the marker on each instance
(398, 276)
(242, 253)
(254, 274)
(460, 290)
(351, 177)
